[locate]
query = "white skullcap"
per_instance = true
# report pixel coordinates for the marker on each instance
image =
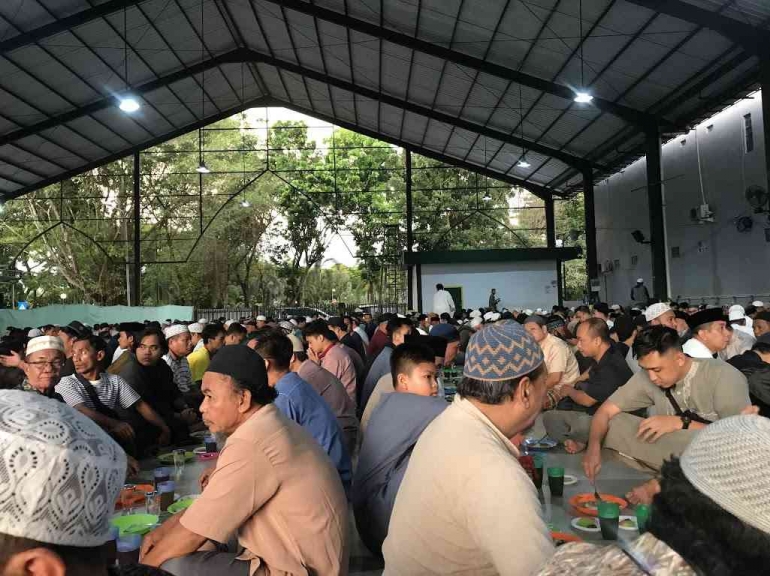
(736, 312)
(34, 333)
(476, 322)
(615, 306)
(495, 316)
(61, 472)
(175, 330)
(528, 312)
(758, 304)
(727, 461)
(308, 319)
(44, 343)
(292, 321)
(656, 310)
(228, 323)
(488, 315)
(539, 310)
(203, 321)
(261, 318)
(639, 280)
(195, 328)
(296, 343)
(475, 314)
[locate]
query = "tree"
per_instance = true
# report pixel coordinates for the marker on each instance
(570, 228)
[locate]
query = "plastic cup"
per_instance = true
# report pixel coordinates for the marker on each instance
(211, 443)
(642, 517)
(556, 480)
(609, 517)
(128, 549)
(537, 475)
(166, 490)
(161, 475)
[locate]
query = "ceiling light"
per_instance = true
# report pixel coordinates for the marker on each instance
(202, 168)
(523, 163)
(486, 197)
(129, 105)
(246, 204)
(583, 97)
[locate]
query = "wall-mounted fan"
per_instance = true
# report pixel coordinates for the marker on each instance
(757, 198)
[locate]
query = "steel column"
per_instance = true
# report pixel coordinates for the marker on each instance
(137, 285)
(764, 77)
(550, 239)
(409, 218)
(592, 267)
(655, 207)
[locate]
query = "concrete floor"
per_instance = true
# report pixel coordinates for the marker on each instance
(616, 478)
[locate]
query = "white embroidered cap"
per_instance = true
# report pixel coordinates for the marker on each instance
(475, 314)
(195, 328)
(175, 330)
(261, 318)
(44, 343)
(61, 472)
(34, 333)
(655, 310)
(727, 461)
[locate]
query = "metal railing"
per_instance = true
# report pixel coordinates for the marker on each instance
(323, 309)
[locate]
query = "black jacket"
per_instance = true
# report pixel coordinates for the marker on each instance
(757, 372)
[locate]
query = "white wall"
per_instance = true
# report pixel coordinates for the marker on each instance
(519, 284)
(716, 261)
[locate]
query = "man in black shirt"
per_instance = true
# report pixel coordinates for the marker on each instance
(570, 423)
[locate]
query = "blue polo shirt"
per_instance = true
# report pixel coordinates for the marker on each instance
(300, 402)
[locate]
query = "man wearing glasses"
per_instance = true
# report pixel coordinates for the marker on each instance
(44, 358)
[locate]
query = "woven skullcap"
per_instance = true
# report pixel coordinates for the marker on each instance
(195, 328)
(727, 461)
(34, 333)
(44, 343)
(488, 315)
(175, 330)
(655, 310)
(758, 304)
(736, 312)
(501, 352)
(203, 321)
(261, 318)
(61, 472)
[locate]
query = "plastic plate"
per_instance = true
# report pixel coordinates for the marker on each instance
(586, 505)
(169, 457)
(135, 523)
(569, 480)
(628, 523)
(560, 538)
(182, 504)
(539, 443)
(136, 496)
(585, 524)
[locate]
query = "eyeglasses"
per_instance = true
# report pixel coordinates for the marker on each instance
(54, 364)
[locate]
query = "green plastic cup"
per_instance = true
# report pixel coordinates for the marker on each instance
(609, 518)
(556, 480)
(642, 517)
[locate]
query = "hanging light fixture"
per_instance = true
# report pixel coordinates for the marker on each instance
(202, 168)
(127, 103)
(582, 96)
(245, 203)
(487, 196)
(523, 162)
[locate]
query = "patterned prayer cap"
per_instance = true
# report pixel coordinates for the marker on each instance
(175, 330)
(44, 343)
(61, 472)
(501, 352)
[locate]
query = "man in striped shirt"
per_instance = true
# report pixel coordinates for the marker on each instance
(107, 399)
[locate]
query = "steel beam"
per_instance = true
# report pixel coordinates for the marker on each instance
(749, 37)
(136, 286)
(409, 218)
(550, 241)
(592, 266)
(64, 24)
(765, 81)
(655, 207)
(627, 113)
(375, 95)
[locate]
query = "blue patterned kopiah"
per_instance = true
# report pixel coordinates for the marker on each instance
(501, 352)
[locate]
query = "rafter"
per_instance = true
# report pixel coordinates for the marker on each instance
(460, 58)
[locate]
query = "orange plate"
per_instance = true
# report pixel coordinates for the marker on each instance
(579, 501)
(137, 497)
(565, 537)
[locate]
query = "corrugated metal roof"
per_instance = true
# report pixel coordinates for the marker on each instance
(478, 83)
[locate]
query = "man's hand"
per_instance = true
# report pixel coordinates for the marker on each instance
(204, 479)
(165, 436)
(313, 356)
(133, 466)
(750, 411)
(656, 426)
(149, 542)
(584, 376)
(123, 430)
(592, 462)
(13, 360)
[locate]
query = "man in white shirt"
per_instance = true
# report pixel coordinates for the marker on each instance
(443, 301)
(709, 334)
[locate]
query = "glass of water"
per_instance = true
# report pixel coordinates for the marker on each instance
(179, 458)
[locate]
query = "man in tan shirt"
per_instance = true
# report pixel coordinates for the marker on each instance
(273, 487)
(466, 506)
(560, 362)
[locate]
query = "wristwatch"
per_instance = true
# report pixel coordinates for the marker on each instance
(685, 421)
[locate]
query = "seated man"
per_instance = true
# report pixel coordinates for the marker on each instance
(43, 360)
(571, 420)
(78, 464)
(324, 349)
(273, 487)
(397, 329)
(755, 366)
(179, 343)
(560, 362)
(394, 429)
(464, 475)
(235, 334)
(152, 379)
(126, 333)
(710, 516)
(683, 395)
(213, 338)
(709, 334)
(109, 401)
(299, 402)
(330, 389)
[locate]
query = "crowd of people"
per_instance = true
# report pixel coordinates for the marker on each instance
(322, 415)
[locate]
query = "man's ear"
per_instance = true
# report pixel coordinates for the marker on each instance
(36, 562)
